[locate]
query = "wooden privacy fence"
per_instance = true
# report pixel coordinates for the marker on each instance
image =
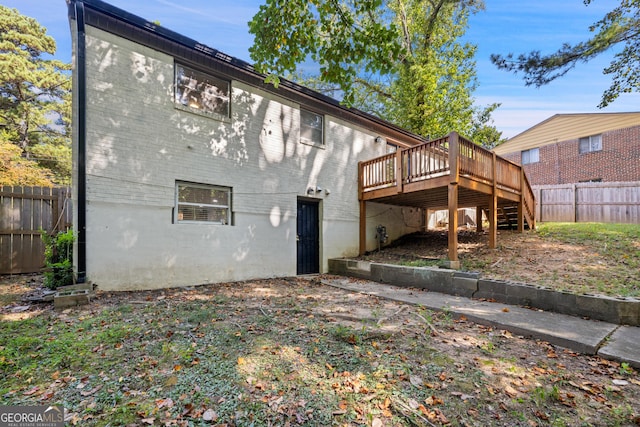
(607, 202)
(24, 211)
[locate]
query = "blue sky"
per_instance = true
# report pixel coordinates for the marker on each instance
(505, 26)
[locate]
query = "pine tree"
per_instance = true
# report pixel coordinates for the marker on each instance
(620, 27)
(34, 93)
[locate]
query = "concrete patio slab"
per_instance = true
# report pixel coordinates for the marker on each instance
(585, 336)
(623, 345)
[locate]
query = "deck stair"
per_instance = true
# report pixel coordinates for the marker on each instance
(508, 217)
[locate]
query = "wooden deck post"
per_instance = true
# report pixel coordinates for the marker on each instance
(363, 211)
(452, 196)
(478, 219)
(363, 227)
(493, 208)
(453, 221)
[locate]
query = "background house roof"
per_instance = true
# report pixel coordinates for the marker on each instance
(564, 127)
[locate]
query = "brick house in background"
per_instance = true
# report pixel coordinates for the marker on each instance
(574, 148)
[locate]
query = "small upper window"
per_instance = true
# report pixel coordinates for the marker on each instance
(311, 128)
(203, 203)
(531, 156)
(590, 143)
(592, 180)
(201, 92)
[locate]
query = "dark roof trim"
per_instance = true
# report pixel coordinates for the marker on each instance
(124, 24)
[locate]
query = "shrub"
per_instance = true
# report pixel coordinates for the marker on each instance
(58, 258)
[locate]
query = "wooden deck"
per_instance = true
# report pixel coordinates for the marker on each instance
(426, 176)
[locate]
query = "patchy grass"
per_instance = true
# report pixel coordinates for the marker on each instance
(421, 263)
(576, 257)
(294, 352)
(615, 247)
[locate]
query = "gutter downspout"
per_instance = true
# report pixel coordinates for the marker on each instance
(81, 71)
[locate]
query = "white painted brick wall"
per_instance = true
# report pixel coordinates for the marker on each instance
(139, 144)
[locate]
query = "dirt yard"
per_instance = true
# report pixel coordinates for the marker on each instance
(580, 265)
(293, 352)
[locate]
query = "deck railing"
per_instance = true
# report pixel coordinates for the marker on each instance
(508, 175)
(475, 161)
(425, 160)
(431, 159)
(529, 201)
(378, 173)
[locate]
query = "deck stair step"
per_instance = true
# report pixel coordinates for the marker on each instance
(507, 217)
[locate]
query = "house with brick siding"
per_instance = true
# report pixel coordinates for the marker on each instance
(189, 169)
(575, 148)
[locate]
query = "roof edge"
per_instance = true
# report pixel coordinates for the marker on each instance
(243, 66)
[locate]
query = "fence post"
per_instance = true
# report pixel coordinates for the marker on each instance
(574, 201)
(55, 211)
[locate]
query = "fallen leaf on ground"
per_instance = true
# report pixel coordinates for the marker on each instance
(164, 403)
(510, 391)
(415, 380)
(432, 400)
(90, 392)
(210, 415)
(32, 391)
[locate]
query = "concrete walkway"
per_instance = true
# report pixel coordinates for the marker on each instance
(608, 340)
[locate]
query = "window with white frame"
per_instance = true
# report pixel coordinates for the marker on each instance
(591, 143)
(531, 156)
(199, 203)
(311, 128)
(201, 92)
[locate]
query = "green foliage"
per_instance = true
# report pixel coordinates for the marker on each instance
(621, 26)
(55, 159)
(343, 37)
(401, 61)
(16, 170)
(626, 369)
(432, 94)
(58, 256)
(482, 131)
(33, 90)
